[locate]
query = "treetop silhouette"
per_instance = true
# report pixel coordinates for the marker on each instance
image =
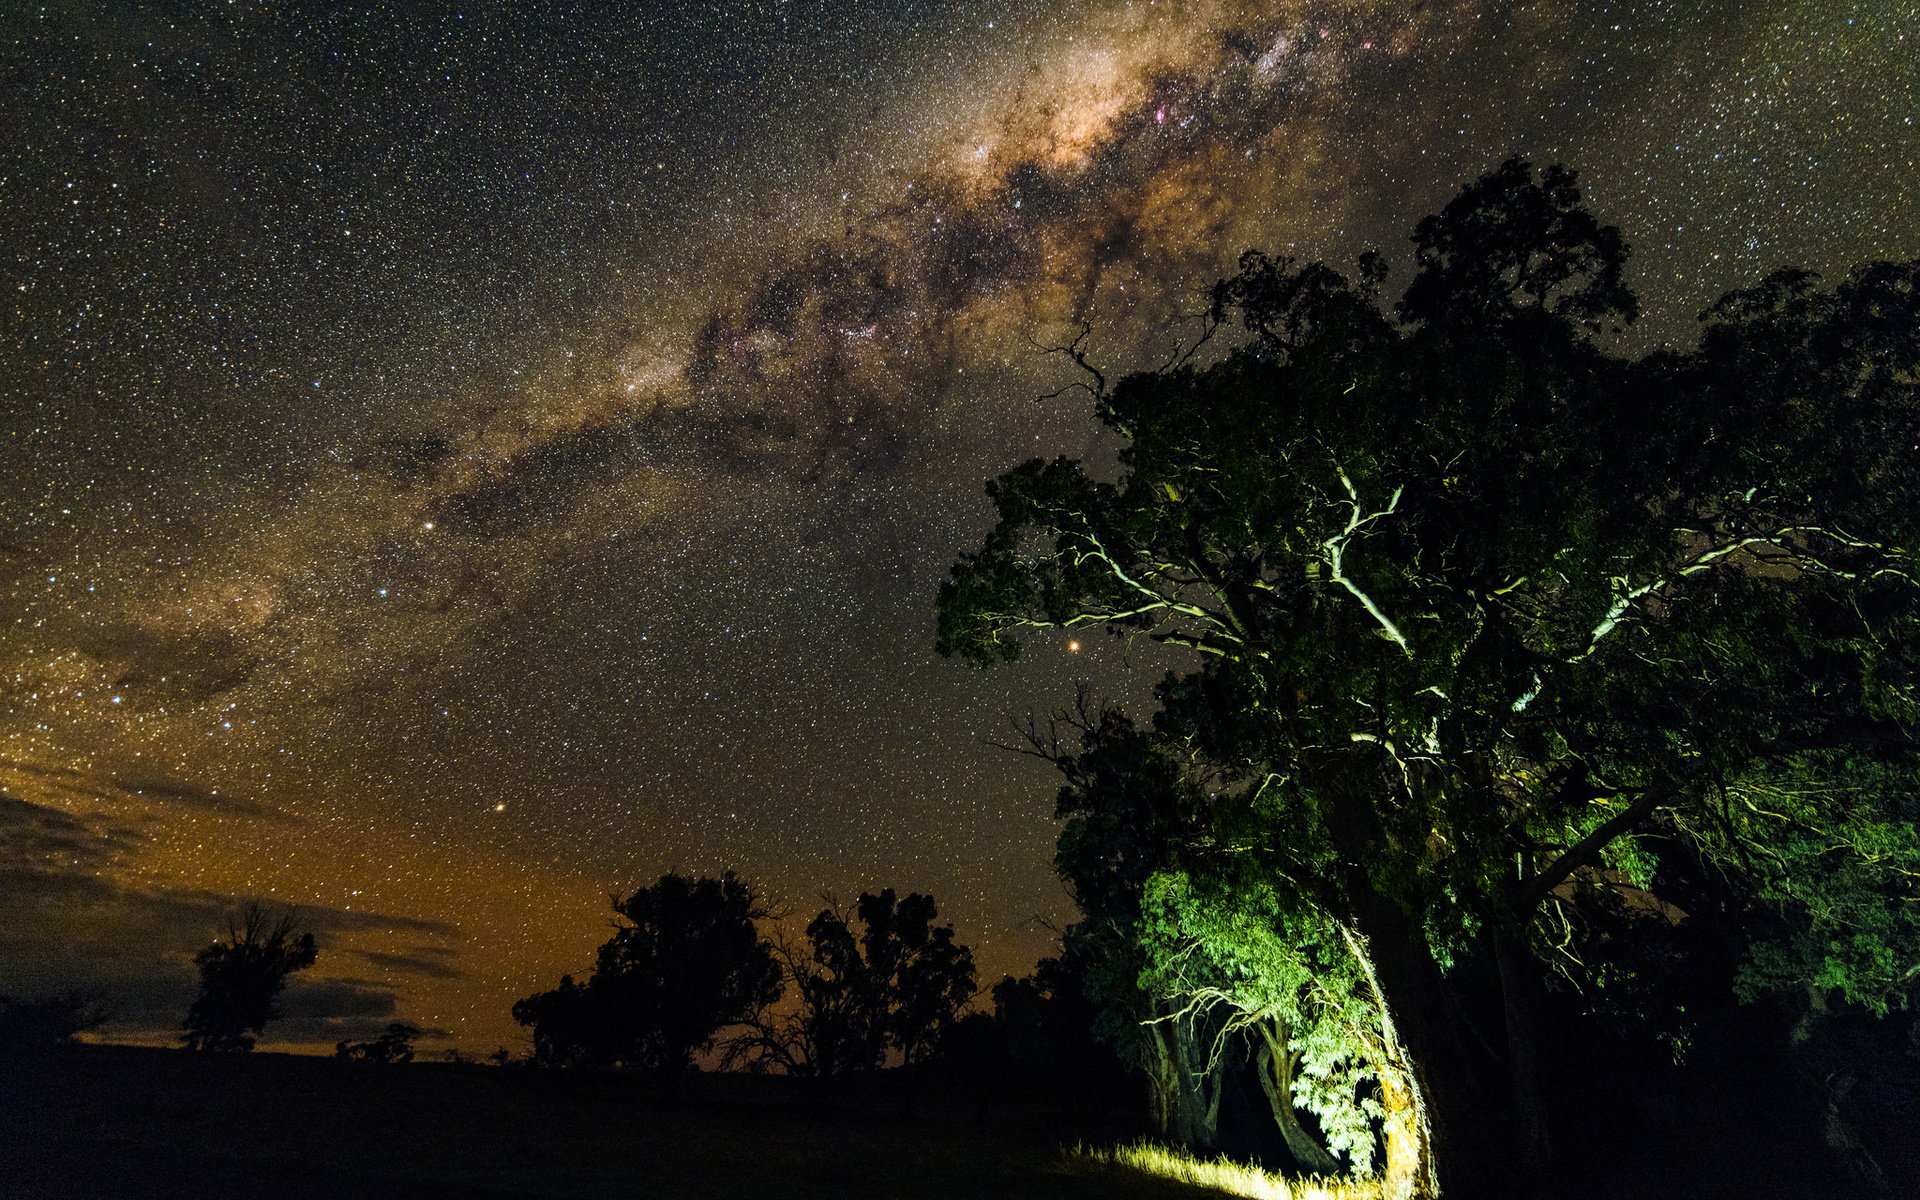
(242, 977)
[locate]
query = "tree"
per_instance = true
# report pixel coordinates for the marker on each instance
(393, 1047)
(686, 962)
(242, 977)
(1199, 977)
(30, 1028)
(1488, 620)
(920, 977)
(894, 985)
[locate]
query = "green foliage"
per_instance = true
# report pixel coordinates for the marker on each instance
(1829, 851)
(1227, 947)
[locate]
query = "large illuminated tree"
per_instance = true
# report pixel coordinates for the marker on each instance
(1486, 620)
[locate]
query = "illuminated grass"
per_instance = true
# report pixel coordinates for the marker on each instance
(1224, 1174)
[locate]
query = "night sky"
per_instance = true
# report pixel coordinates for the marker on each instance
(456, 462)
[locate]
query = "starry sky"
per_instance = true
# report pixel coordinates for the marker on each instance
(456, 461)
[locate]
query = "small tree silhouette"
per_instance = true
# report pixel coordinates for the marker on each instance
(30, 1028)
(391, 1048)
(241, 977)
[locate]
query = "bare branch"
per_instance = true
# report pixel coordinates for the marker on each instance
(1095, 384)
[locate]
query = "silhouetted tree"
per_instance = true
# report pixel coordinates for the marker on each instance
(242, 977)
(920, 977)
(30, 1028)
(686, 962)
(897, 984)
(1490, 624)
(1038, 1042)
(393, 1047)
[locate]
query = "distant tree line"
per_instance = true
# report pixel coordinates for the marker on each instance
(393, 1047)
(690, 972)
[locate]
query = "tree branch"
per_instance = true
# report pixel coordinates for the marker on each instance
(1529, 892)
(1334, 551)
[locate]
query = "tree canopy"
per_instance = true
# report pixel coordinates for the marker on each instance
(242, 977)
(1493, 627)
(879, 981)
(685, 962)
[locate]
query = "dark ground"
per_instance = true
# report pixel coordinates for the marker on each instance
(116, 1121)
(121, 1121)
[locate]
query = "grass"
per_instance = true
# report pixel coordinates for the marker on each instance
(117, 1121)
(1223, 1174)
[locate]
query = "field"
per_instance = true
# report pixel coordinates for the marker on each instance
(108, 1121)
(139, 1123)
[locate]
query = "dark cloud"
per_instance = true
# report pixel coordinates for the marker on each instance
(35, 838)
(141, 790)
(65, 930)
(188, 795)
(66, 924)
(325, 1011)
(336, 999)
(435, 962)
(197, 664)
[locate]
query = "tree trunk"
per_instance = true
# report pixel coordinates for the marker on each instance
(1520, 999)
(1186, 1092)
(1200, 1087)
(1411, 1171)
(1275, 1066)
(1162, 1083)
(1447, 1132)
(1408, 1170)
(1454, 1115)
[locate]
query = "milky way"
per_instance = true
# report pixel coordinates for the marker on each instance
(459, 463)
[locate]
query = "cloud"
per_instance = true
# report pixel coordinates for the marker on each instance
(198, 662)
(435, 962)
(70, 920)
(325, 1011)
(65, 930)
(34, 837)
(188, 795)
(140, 791)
